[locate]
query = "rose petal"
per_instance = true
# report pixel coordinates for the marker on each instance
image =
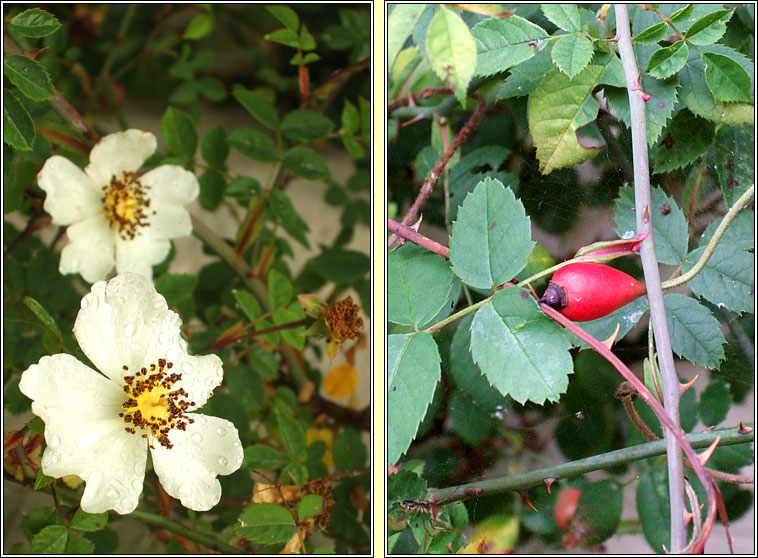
(90, 249)
(209, 447)
(200, 374)
(118, 153)
(171, 184)
(125, 322)
(71, 194)
(169, 221)
(141, 253)
(84, 434)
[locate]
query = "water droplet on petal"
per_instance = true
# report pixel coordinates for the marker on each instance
(208, 381)
(175, 338)
(163, 338)
(186, 367)
(112, 494)
(203, 420)
(185, 490)
(121, 300)
(169, 317)
(197, 438)
(220, 431)
(54, 442)
(172, 355)
(236, 444)
(223, 461)
(137, 485)
(53, 458)
(185, 469)
(130, 330)
(84, 303)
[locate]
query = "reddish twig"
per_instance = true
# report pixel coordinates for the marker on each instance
(409, 234)
(678, 434)
(436, 172)
(336, 77)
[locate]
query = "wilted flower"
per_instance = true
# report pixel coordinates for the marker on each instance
(337, 322)
(99, 425)
(115, 216)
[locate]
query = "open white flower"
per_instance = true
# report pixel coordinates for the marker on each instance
(99, 426)
(114, 215)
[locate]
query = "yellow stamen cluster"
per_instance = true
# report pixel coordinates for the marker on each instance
(152, 406)
(342, 320)
(124, 204)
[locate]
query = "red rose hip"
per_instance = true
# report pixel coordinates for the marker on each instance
(587, 291)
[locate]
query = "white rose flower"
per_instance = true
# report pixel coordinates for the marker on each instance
(99, 426)
(115, 216)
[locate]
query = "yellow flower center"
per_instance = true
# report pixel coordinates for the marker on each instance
(124, 204)
(152, 405)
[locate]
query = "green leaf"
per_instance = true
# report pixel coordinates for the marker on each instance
(257, 105)
(352, 146)
(714, 403)
(340, 266)
(266, 524)
(669, 231)
(106, 541)
(292, 336)
(176, 287)
(732, 157)
(491, 239)
(285, 15)
(42, 480)
(652, 34)
(304, 161)
(214, 148)
(18, 127)
(709, 28)
(212, 89)
(83, 521)
(281, 206)
(572, 53)
(470, 421)
(350, 119)
(349, 451)
(309, 505)
(727, 279)
(558, 107)
(198, 27)
(399, 26)
(293, 436)
(44, 317)
(419, 284)
(451, 50)
(279, 289)
(79, 545)
(740, 233)
(726, 78)
(286, 37)
(29, 76)
(180, 133)
(50, 540)
(248, 303)
(253, 144)
(525, 77)
(35, 23)
(262, 458)
(522, 352)
(306, 125)
(212, 186)
(37, 426)
(625, 317)
(686, 139)
(657, 110)
(413, 365)
(243, 188)
(665, 62)
(246, 386)
(696, 95)
(563, 16)
(505, 43)
(365, 109)
(695, 333)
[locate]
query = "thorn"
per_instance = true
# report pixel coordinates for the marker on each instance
(398, 244)
(706, 455)
(645, 97)
(688, 515)
(525, 496)
(744, 429)
(709, 429)
(549, 482)
(413, 120)
(415, 226)
(688, 385)
(646, 210)
(612, 339)
(665, 550)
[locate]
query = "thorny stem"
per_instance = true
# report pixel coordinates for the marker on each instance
(626, 400)
(436, 172)
(409, 234)
(713, 242)
(675, 433)
(653, 279)
(511, 483)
